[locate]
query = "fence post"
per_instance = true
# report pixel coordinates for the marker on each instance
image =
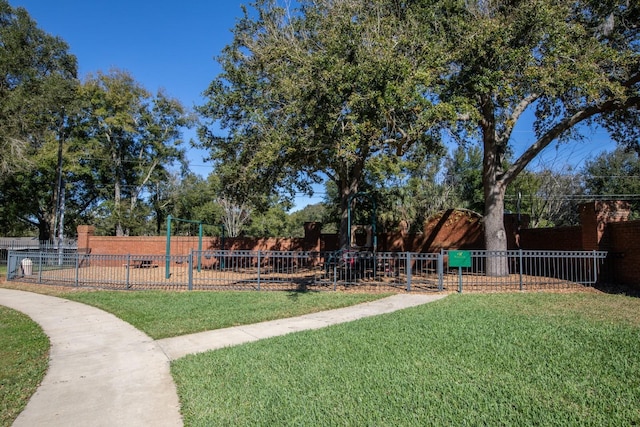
(441, 270)
(335, 274)
(595, 268)
(40, 256)
(190, 273)
(77, 283)
(520, 266)
(259, 264)
(127, 276)
(408, 270)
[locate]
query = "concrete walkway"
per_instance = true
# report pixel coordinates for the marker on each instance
(178, 347)
(104, 372)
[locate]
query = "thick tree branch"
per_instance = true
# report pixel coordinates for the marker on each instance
(562, 126)
(515, 116)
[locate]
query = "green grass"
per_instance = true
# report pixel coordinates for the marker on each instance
(499, 359)
(168, 314)
(23, 362)
(509, 359)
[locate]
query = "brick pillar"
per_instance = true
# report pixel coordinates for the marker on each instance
(594, 217)
(84, 237)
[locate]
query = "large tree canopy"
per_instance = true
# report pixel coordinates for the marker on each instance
(570, 63)
(38, 87)
(37, 78)
(318, 92)
(130, 137)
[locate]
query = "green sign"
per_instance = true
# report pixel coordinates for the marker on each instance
(459, 258)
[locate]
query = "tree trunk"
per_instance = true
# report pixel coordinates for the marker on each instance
(348, 189)
(494, 233)
(345, 197)
(44, 230)
(494, 190)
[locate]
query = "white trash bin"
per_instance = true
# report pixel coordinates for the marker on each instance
(27, 267)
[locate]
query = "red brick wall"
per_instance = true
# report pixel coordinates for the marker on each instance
(453, 229)
(552, 239)
(624, 252)
(182, 245)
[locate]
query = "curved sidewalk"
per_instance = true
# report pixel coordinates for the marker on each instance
(104, 372)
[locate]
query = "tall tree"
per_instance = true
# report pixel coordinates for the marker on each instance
(568, 63)
(131, 139)
(316, 92)
(37, 89)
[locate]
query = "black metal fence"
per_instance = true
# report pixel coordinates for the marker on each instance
(30, 244)
(341, 270)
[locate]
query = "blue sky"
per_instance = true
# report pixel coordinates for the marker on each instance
(172, 45)
(163, 44)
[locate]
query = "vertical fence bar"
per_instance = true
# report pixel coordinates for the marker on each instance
(335, 274)
(167, 262)
(40, 267)
(595, 268)
(127, 284)
(441, 270)
(199, 247)
(259, 264)
(408, 270)
(520, 267)
(190, 272)
(77, 280)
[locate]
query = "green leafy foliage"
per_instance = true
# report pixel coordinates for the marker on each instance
(37, 79)
(38, 88)
(464, 173)
(312, 93)
(569, 63)
(131, 137)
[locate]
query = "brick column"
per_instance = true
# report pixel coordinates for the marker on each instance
(84, 237)
(594, 217)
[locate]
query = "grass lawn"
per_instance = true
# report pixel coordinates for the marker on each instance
(499, 359)
(495, 359)
(169, 314)
(23, 362)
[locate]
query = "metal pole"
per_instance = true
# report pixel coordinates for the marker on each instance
(595, 268)
(190, 274)
(259, 262)
(199, 246)
(408, 270)
(520, 266)
(168, 251)
(222, 246)
(127, 276)
(441, 271)
(349, 200)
